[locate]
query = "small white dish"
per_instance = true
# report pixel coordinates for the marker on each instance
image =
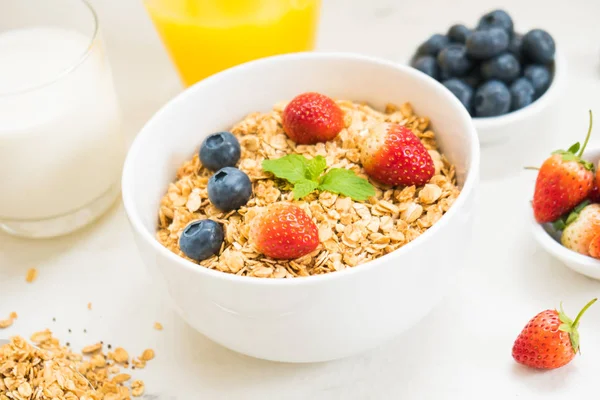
(549, 239)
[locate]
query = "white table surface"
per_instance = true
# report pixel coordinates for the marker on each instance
(462, 350)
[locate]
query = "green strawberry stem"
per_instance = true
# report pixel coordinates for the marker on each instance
(583, 310)
(533, 168)
(587, 138)
(570, 327)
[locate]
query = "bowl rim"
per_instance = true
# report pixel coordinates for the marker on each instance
(469, 186)
(558, 78)
(558, 250)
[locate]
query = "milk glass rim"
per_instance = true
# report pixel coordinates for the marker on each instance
(80, 60)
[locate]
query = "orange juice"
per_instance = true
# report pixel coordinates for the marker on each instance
(207, 36)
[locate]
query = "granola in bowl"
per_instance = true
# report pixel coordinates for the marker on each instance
(350, 231)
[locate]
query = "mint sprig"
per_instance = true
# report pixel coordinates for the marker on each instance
(306, 176)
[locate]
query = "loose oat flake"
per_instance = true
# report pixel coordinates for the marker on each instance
(5, 323)
(31, 276)
(50, 371)
(350, 232)
(147, 355)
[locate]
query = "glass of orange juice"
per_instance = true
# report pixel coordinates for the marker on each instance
(207, 36)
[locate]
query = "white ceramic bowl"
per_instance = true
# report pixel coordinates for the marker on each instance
(519, 133)
(549, 239)
(314, 318)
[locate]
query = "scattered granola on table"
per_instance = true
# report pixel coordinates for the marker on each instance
(49, 370)
(350, 232)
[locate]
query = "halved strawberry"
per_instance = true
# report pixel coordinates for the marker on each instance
(284, 231)
(393, 155)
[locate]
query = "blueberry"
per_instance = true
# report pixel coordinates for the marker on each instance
(433, 45)
(453, 59)
(444, 75)
(472, 80)
(491, 99)
(504, 67)
(538, 46)
(427, 65)
(461, 90)
(515, 46)
(496, 19)
(229, 189)
(487, 43)
(458, 33)
(521, 94)
(219, 150)
(540, 78)
(201, 239)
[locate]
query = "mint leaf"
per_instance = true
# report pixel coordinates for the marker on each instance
(292, 167)
(315, 167)
(304, 188)
(345, 182)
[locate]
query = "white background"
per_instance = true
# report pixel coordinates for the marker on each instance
(460, 351)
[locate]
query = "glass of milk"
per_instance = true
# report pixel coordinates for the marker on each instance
(61, 146)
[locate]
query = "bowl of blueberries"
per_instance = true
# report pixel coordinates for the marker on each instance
(505, 79)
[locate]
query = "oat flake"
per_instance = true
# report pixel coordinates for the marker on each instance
(31, 276)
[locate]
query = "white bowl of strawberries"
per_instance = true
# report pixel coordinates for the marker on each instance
(566, 207)
(386, 251)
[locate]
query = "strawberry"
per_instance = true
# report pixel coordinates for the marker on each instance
(582, 225)
(311, 118)
(564, 180)
(595, 193)
(594, 248)
(391, 154)
(284, 231)
(549, 340)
